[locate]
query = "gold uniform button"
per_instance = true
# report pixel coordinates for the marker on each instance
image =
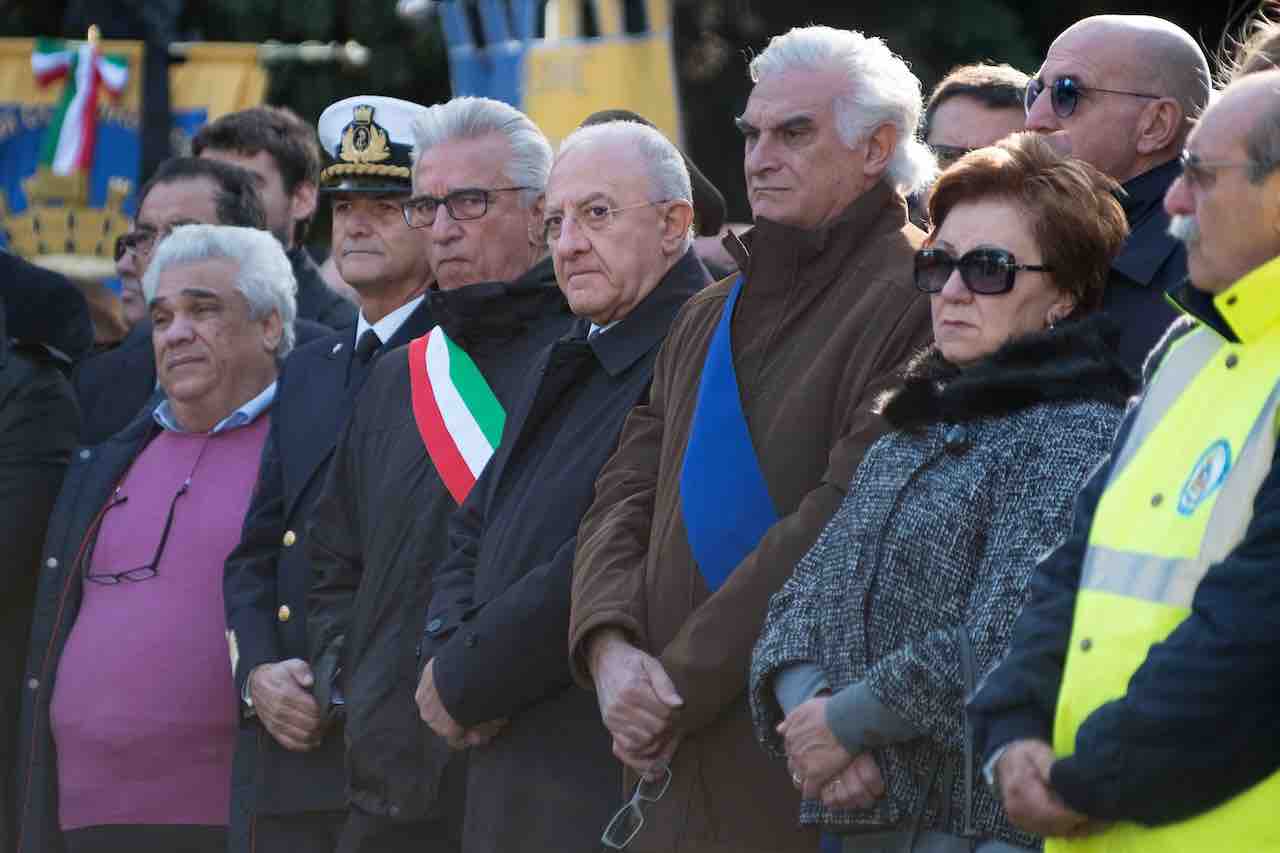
(284, 613)
(289, 538)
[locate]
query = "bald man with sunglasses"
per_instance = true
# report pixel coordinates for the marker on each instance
(1120, 92)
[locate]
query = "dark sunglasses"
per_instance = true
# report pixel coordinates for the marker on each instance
(1065, 94)
(985, 271)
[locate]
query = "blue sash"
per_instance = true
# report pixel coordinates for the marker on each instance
(723, 493)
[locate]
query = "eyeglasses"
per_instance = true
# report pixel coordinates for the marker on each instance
(594, 217)
(1065, 94)
(1203, 173)
(985, 271)
(463, 205)
(141, 241)
(948, 154)
(626, 824)
(139, 573)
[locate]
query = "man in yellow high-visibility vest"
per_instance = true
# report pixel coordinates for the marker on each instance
(1139, 706)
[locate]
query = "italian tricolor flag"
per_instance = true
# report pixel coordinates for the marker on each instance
(458, 415)
(68, 146)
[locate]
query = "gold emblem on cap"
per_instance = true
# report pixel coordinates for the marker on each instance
(363, 141)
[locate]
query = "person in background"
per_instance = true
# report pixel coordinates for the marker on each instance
(1137, 708)
(114, 386)
(710, 502)
(618, 223)
(496, 307)
(289, 780)
(972, 107)
(1121, 92)
(129, 714)
(1257, 49)
(860, 673)
(280, 151)
(39, 422)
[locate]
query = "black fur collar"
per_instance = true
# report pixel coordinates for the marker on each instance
(1074, 361)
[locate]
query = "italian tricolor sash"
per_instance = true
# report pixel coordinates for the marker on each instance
(68, 146)
(457, 413)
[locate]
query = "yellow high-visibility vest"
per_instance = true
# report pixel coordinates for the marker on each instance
(1178, 499)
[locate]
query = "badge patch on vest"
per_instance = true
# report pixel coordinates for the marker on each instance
(1208, 474)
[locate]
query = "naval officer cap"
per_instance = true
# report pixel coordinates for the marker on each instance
(368, 145)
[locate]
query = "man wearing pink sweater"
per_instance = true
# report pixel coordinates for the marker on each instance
(129, 714)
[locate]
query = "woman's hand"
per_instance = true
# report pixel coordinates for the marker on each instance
(857, 787)
(814, 756)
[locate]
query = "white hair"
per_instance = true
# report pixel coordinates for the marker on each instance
(881, 88)
(469, 117)
(664, 164)
(264, 277)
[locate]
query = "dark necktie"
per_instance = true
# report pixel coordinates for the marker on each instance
(362, 359)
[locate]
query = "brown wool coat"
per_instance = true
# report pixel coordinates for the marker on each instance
(825, 319)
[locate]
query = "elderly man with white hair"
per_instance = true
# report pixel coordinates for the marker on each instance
(761, 408)
(129, 717)
(478, 171)
(618, 216)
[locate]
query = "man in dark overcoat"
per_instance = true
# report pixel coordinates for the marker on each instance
(288, 785)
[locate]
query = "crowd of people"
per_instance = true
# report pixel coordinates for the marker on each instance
(938, 511)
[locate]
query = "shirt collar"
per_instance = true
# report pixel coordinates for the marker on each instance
(1244, 312)
(386, 328)
(242, 416)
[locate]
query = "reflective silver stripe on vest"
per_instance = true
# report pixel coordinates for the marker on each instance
(1185, 360)
(1150, 578)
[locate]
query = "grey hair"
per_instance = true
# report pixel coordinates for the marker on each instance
(264, 278)
(469, 117)
(663, 163)
(1262, 141)
(881, 89)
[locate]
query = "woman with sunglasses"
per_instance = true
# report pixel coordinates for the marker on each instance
(908, 597)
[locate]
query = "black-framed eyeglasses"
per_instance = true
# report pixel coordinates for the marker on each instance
(463, 205)
(948, 154)
(1065, 94)
(141, 241)
(984, 271)
(626, 823)
(139, 573)
(1204, 173)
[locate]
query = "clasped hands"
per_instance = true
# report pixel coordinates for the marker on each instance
(437, 717)
(819, 764)
(638, 702)
(1023, 774)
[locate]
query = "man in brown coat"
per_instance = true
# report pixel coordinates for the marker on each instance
(675, 566)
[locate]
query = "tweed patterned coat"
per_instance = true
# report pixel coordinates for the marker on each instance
(942, 525)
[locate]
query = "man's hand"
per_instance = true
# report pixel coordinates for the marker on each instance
(282, 699)
(638, 702)
(1023, 774)
(481, 735)
(813, 753)
(858, 786)
(433, 712)
(648, 763)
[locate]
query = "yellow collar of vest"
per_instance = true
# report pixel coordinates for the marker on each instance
(1244, 312)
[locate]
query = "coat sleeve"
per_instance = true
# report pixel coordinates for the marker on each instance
(1017, 699)
(1033, 494)
(711, 653)
(249, 575)
(453, 585)
(334, 548)
(792, 632)
(510, 654)
(613, 539)
(1200, 721)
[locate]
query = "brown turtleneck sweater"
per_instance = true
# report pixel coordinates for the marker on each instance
(825, 319)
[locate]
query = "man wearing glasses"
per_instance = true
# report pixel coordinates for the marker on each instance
(617, 222)
(289, 781)
(1120, 92)
(411, 453)
(1137, 707)
(128, 720)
